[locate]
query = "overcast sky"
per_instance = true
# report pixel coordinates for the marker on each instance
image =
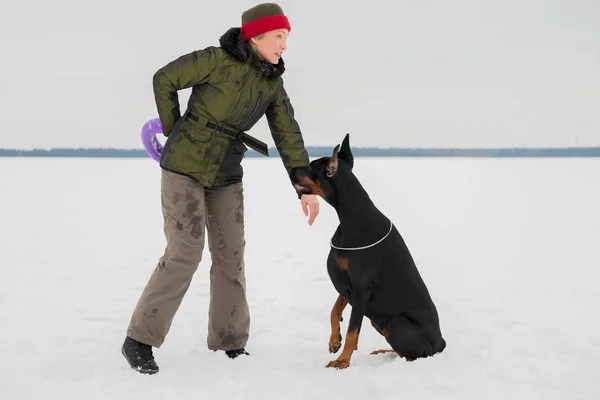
(392, 73)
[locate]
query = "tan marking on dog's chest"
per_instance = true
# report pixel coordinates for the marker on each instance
(342, 263)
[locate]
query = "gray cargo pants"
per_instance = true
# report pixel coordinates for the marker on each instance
(187, 208)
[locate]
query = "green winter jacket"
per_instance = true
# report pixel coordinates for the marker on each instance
(232, 88)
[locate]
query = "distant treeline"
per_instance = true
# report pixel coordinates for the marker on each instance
(326, 151)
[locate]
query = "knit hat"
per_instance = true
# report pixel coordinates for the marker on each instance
(263, 18)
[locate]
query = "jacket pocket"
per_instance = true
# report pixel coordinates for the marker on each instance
(194, 133)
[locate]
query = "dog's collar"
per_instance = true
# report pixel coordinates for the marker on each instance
(364, 247)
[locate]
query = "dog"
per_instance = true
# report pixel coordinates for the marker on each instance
(370, 266)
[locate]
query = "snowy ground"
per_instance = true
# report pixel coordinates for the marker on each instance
(507, 247)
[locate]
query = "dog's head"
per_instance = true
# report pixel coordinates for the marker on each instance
(322, 178)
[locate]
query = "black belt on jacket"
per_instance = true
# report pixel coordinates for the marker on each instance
(252, 142)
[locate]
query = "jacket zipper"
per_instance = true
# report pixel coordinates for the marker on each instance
(260, 94)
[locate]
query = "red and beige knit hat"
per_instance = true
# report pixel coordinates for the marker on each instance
(263, 18)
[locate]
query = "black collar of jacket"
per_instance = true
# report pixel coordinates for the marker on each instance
(233, 43)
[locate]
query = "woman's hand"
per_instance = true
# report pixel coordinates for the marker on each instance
(310, 203)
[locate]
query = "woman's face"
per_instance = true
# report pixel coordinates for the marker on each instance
(271, 45)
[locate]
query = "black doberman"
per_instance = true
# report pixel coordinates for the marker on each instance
(370, 266)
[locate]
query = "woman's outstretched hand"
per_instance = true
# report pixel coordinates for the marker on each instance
(310, 205)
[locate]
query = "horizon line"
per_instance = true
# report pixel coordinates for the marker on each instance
(325, 147)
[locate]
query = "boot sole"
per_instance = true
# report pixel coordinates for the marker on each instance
(138, 369)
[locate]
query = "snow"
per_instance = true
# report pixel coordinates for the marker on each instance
(507, 248)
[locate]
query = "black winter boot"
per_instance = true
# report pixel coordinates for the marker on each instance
(235, 353)
(139, 356)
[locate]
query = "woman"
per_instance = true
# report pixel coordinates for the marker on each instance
(233, 86)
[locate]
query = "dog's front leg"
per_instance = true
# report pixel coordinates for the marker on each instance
(359, 307)
(335, 340)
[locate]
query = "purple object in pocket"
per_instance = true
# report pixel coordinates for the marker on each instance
(149, 140)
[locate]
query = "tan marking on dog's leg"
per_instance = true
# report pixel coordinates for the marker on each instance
(386, 334)
(335, 340)
(343, 361)
(378, 329)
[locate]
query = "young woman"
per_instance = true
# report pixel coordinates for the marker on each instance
(233, 86)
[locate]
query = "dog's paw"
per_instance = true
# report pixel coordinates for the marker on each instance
(382, 352)
(335, 344)
(339, 364)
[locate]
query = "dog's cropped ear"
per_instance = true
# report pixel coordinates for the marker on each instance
(345, 153)
(332, 165)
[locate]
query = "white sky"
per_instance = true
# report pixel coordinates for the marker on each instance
(466, 73)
